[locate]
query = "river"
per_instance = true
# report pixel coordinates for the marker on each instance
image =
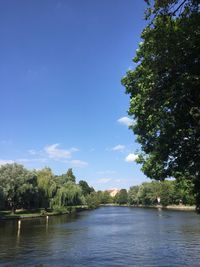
(108, 236)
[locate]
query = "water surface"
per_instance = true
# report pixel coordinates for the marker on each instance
(108, 236)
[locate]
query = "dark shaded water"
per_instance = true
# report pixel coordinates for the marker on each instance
(110, 236)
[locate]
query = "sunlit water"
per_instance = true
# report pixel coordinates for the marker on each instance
(108, 236)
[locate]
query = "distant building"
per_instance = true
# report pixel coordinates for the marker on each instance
(113, 192)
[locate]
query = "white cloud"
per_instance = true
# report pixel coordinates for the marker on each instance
(106, 172)
(118, 148)
(56, 153)
(126, 121)
(103, 180)
(32, 160)
(5, 161)
(32, 152)
(131, 158)
(74, 149)
(118, 180)
(78, 163)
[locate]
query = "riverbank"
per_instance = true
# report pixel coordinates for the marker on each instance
(26, 214)
(170, 207)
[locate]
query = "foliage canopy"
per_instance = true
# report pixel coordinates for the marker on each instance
(164, 92)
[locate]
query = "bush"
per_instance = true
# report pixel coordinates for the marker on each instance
(60, 209)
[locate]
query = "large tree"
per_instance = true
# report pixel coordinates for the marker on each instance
(69, 194)
(29, 193)
(47, 187)
(86, 189)
(12, 179)
(165, 94)
(121, 197)
(67, 177)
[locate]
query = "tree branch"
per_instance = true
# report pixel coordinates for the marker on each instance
(174, 13)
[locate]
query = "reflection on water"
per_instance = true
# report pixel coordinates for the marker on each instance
(47, 223)
(18, 230)
(110, 236)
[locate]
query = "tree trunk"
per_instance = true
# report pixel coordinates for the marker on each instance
(13, 208)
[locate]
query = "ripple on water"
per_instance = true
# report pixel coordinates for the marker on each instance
(110, 236)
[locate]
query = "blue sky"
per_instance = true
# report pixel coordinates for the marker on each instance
(62, 102)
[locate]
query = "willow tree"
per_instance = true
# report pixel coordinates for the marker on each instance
(68, 194)
(164, 92)
(46, 186)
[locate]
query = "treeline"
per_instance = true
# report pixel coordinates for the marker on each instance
(41, 189)
(155, 192)
(164, 193)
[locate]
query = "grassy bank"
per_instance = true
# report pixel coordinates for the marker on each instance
(23, 214)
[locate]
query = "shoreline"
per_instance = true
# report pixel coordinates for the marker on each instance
(169, 207)
(31, 215)
(75, 209)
